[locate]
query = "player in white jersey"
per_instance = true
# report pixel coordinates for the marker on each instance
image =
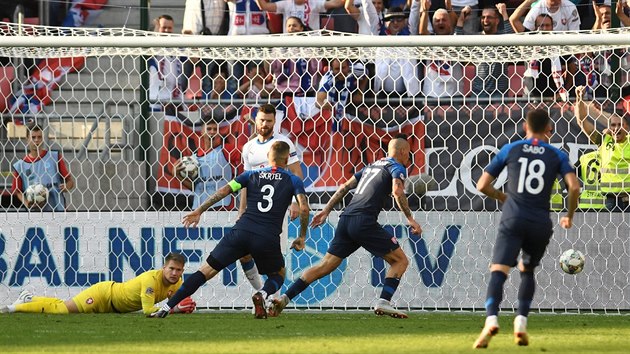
(254, 157)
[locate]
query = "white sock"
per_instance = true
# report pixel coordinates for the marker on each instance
(492, 321)
(254, 278)
(520, 324)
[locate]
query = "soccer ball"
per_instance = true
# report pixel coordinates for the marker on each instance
(572, 261)
(191, 167)
(36, 194)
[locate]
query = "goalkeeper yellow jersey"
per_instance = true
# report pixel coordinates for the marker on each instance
(142, 292)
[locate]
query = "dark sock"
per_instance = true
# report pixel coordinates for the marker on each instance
(273, 283)
(248, 265)
(495, 292)
(526, 292)
(297, 287)
(389, 288)
(190, 285)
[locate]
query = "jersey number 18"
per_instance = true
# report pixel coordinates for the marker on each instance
(530, 172)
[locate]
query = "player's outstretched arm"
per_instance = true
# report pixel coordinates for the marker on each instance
(192, 219)
(298, 243)
(573, 187)
(320, 217)
(398, 190)
(484, 185)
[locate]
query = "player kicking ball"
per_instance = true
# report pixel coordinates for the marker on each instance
(532, 165)
(358, 227)
(257, 231)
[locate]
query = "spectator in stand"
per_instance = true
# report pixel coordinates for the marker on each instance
(257, 82)
(41, 166)
(594, 69)
(471, 20)
(245, 18)
(416, 9)
(204, 17)
(165, 79)
(395, 75)
(295, 77)
(225, 110)
(441, 78)
(563, 13)
(396, 22)
(544, 78)
(219, 87)
(379, 6)
(215, 169)
(344, 83)
(307, 10)
(364, 12)
(603, 16)
(491, 79)
(623, 13)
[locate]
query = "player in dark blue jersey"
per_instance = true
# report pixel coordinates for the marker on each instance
(358, 227)
(257, 231)
(532, 166)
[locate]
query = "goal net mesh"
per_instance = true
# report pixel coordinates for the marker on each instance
(120, 116)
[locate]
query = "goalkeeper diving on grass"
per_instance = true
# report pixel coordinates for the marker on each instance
(139, 293)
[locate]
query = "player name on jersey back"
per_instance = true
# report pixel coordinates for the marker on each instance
(533, 149)
(270, 176)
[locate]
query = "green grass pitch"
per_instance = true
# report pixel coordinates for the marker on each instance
(306, 332)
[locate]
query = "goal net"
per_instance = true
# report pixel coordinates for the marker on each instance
(120, 107)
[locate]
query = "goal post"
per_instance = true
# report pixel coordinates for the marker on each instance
(98, 92)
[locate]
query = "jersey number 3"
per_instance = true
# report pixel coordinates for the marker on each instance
(267, 194)
(530, 172)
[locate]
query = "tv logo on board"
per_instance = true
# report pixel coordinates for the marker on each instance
(36, 258)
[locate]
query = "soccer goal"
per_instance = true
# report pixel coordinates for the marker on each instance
(122, 106)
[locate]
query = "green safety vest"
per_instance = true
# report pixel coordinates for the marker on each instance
(557, 199)
(615, 164)
(591, 197)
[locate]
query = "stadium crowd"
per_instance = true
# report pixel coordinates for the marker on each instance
(339, 87)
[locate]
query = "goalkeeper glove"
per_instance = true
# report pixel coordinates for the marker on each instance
(187, 305)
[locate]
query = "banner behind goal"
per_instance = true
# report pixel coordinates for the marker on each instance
(123, 106)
